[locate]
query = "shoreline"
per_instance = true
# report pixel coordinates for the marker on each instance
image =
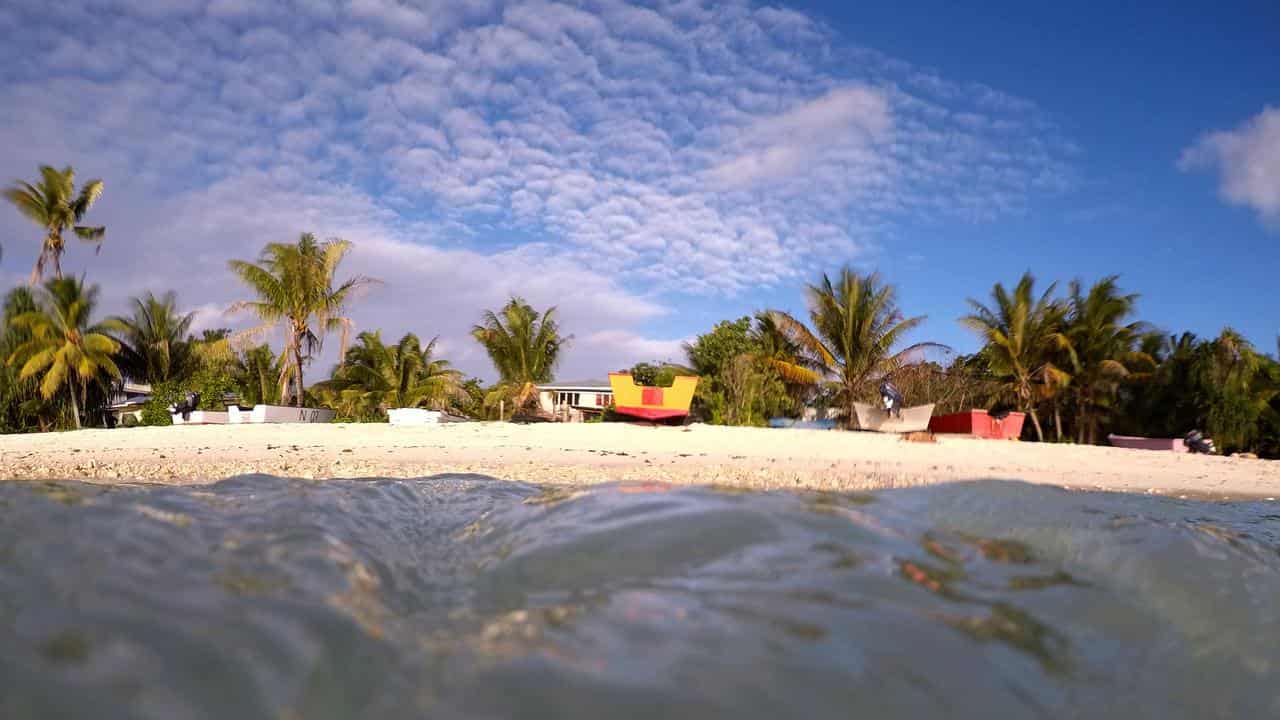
(566, 454)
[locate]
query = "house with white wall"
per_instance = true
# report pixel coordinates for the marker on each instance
(585, 396)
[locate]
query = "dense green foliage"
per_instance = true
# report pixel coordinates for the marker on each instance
(375, 377)
(648, 375)
(525, 346)
(739, 385)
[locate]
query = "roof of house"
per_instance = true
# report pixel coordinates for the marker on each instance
(577, 385)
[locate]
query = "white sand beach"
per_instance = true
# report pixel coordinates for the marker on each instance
(585, 454)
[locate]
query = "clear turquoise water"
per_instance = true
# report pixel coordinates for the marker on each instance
(465, 597)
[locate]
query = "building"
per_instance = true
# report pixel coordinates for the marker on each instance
(587, 397)
(127, 401)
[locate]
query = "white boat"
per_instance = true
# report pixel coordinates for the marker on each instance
(912, 419)
(277, 414)
(420, 416)
(201, 417)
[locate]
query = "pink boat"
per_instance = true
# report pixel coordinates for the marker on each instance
(979, 423)
(1144, 443)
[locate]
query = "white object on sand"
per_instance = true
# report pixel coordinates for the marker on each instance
(202, 417)
(277, 414)
(912, 419)
(419, 416)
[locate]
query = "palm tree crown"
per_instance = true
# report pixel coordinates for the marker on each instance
(524, 345)
(63, 344)
(54, 205)
(154, 342)
(1103, 348)
(856, 326)
(295, 286)
(1020, 332)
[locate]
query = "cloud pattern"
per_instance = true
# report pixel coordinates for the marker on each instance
(607, 156)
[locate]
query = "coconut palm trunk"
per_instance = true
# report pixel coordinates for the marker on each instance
(75, 407)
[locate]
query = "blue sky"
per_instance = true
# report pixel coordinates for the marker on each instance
(654, 167)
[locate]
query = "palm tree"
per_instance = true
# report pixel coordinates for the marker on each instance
(154, 342)
(1103, 349)
(257, 372)
(375, 377)
(54, 205)
(856, 326)
(295, 287)
(63, 345)
(524, 346)
(1020, 332)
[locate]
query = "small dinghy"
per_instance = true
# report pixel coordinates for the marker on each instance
(912, 419)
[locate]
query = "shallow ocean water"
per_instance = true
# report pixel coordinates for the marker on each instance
(467, 597)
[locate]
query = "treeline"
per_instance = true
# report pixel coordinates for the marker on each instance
(1079, 363)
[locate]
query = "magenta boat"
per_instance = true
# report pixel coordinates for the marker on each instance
(1145, 443)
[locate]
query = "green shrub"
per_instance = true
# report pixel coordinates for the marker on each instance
(155, 411)
(647, 375)
(129, 421)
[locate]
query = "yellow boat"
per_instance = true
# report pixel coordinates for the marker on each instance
(652, 403)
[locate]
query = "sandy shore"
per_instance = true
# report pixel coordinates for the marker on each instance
(580, 454)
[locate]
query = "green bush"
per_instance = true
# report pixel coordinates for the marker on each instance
(647, 375)
(155, 411)
(129, 421)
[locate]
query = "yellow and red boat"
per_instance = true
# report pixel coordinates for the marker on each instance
(652, 403)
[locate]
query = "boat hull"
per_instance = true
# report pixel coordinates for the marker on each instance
(1145, 443)
(652, 403)
(874, 419)
(277, 414)
(979, 423)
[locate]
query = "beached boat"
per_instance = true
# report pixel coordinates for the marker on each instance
(1131, 442)
(201, 417)
(979, 423)
(652, 403)
(912, 419)
(277, 414)
(420, 416)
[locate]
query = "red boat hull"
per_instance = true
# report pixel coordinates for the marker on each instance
(650, 413)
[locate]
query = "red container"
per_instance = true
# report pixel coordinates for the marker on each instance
(979, 424)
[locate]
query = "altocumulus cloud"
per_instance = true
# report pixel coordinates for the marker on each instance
(608, 157)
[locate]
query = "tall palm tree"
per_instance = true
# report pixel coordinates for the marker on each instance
(53, 204)
(64, 345)
(375, 377)
(524, 346)
(1104, 349)
(295, 286)
(1020, 333)
(856, 327)
(153, 340)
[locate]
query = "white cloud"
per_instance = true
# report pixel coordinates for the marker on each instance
(837, 127)
(1248, 163)
(598, 156)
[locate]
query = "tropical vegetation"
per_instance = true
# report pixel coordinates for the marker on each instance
(524, 345)
(1079, 363)
(295, 288)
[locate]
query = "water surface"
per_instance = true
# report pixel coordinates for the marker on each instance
(465, 597)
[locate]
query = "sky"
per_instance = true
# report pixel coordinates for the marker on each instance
(652, 168)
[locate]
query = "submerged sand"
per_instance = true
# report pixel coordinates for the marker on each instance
(585, 454)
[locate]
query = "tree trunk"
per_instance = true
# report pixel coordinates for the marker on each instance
(75, 407)
(1057, 419)
(297, 372)
(1035, 421)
